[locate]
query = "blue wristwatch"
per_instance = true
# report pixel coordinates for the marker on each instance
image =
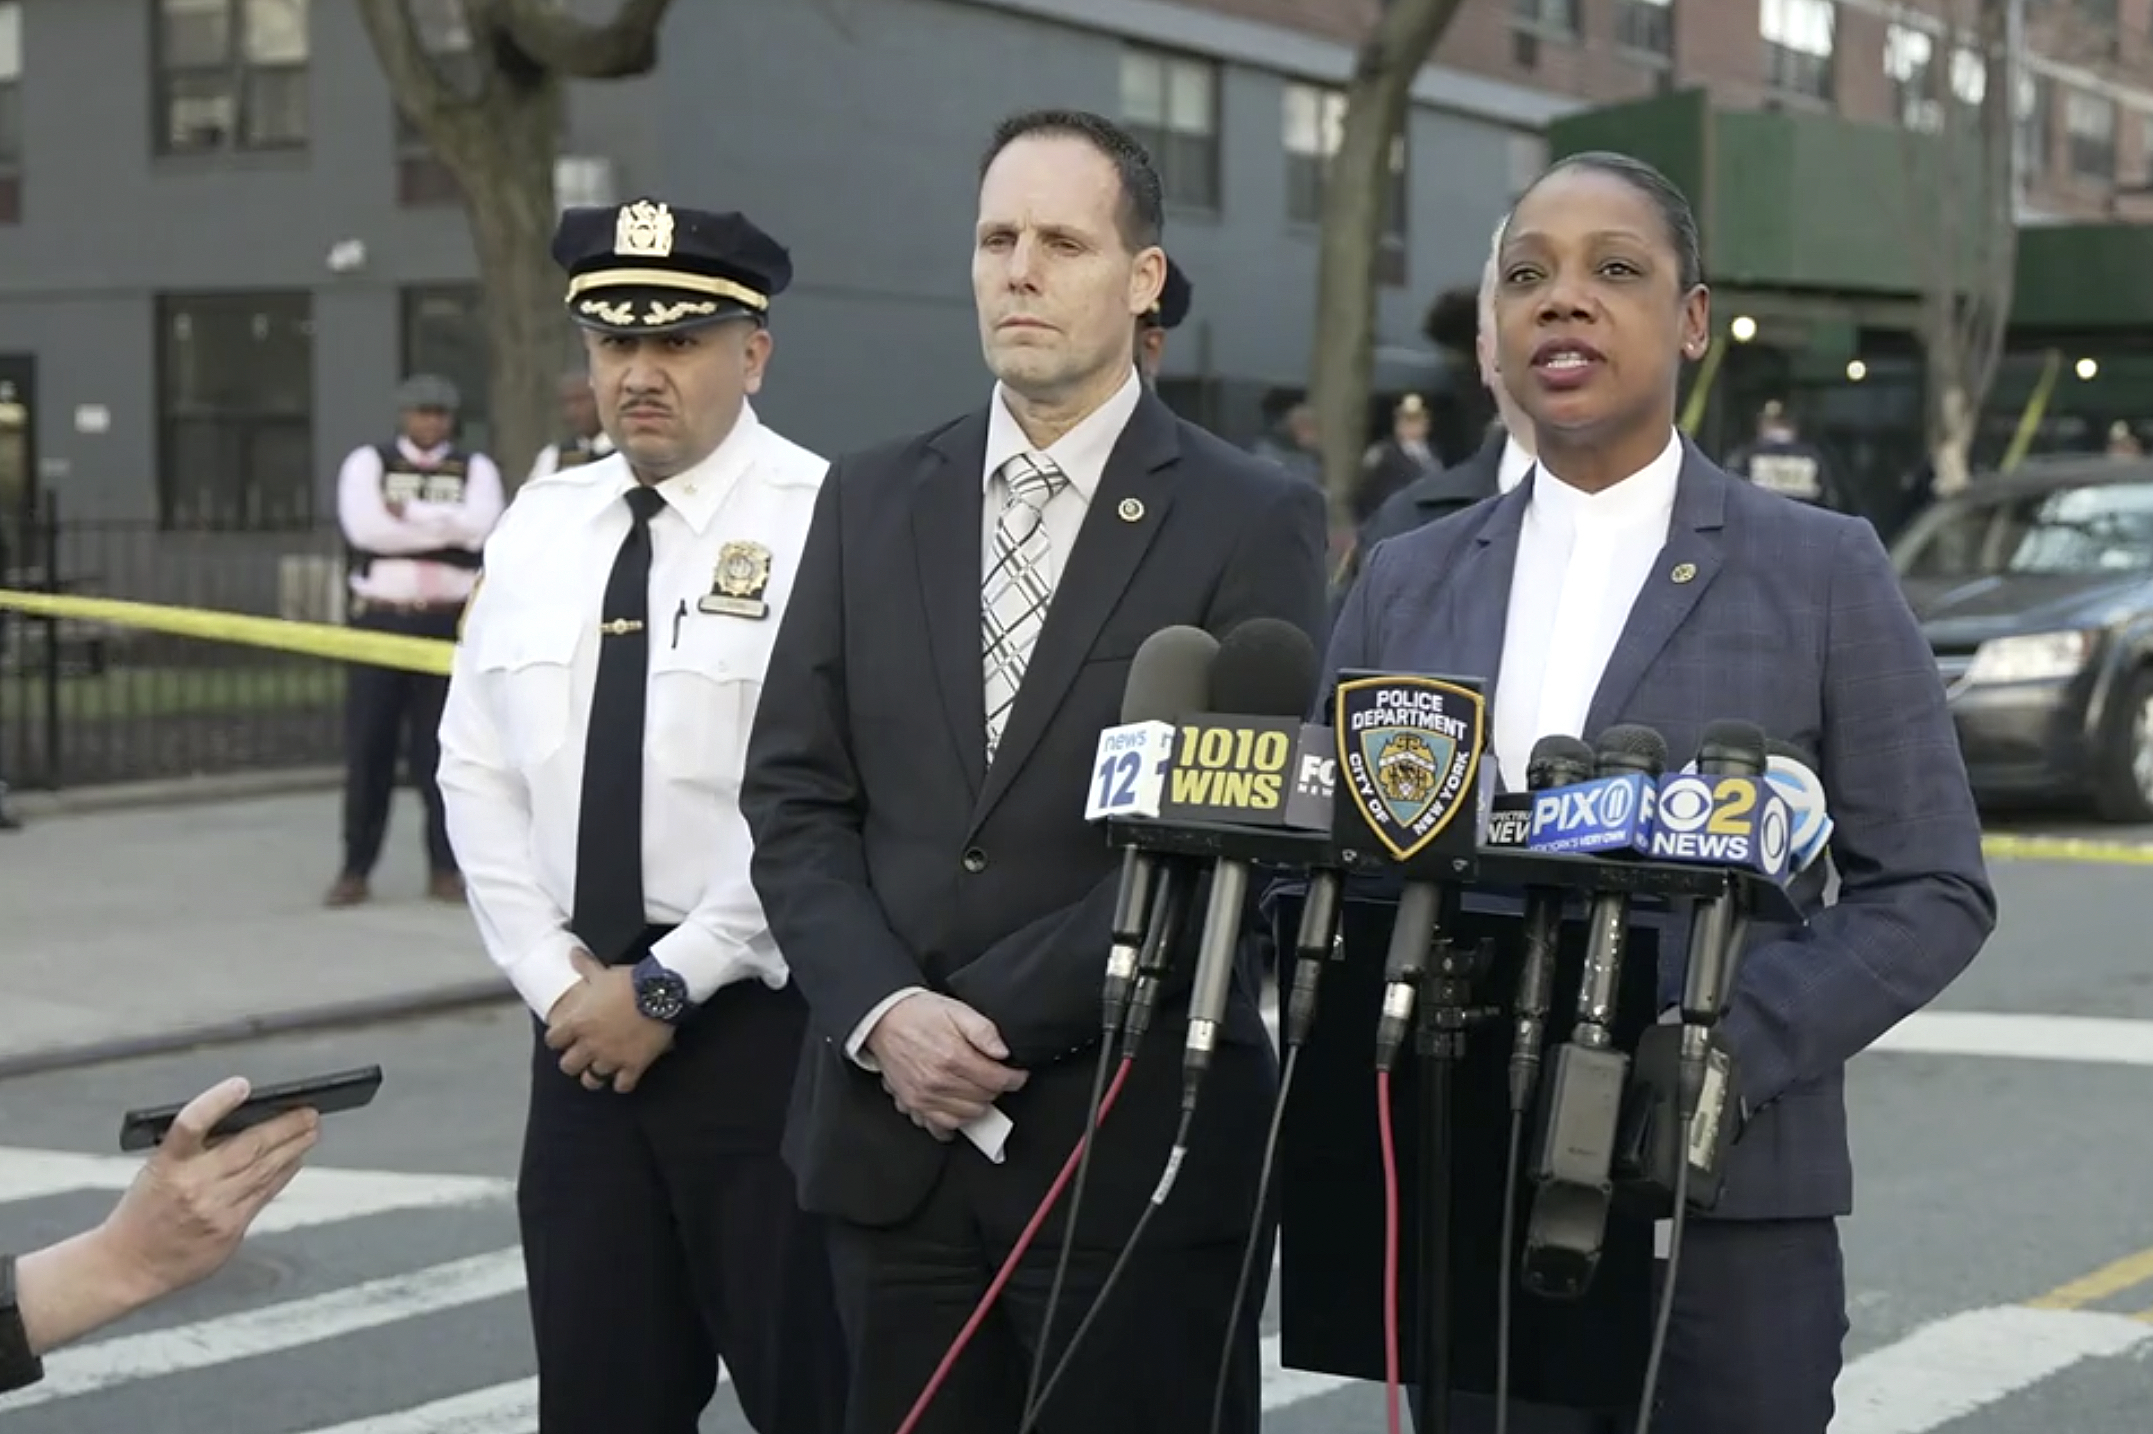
(660, 992)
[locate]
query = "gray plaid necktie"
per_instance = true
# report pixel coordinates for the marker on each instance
(1019, 585)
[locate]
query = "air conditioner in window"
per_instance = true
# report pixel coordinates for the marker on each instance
(584, 180)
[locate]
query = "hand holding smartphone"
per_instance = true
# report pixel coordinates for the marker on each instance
(327, 1094)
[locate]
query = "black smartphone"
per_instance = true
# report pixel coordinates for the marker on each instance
(344, 1090)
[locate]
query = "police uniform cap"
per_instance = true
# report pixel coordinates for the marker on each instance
(1172, 305)
(424, 391)
(1411, 406)
(645, 267)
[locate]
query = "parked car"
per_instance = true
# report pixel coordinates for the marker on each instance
(2036, 590)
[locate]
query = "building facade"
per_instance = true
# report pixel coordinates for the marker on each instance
(209, 291)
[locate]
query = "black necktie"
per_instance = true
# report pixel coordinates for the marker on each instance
(609, 834)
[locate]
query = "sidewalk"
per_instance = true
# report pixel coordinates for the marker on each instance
(125, 932)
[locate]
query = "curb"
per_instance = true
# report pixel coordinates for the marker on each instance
(373, 1010)
(2089, 850)
(172, 792)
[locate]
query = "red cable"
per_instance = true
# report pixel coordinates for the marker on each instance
(1009, 1266)
(1390, 1250)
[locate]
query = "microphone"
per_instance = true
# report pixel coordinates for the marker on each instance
(1574, 1159)
(1266, 667)
(1730, 748)
(1557, 761)
(1794, 772)
(1169, 676)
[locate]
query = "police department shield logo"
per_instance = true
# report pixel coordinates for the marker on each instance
(1409, 751)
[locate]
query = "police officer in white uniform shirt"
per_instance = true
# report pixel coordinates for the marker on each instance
(415, 513)
(605, 681)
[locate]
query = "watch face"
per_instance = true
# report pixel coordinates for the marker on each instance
(663, 996)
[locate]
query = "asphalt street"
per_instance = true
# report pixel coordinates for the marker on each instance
(1997, 1258)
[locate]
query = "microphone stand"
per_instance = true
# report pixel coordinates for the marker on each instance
(1447, 1013)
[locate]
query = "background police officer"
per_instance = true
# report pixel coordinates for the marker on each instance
(597, 723)
(1779, 461)
(1165, 315)
(415, 513)
(583, 436)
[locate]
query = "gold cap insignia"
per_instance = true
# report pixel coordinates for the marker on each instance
(1130, 510)
(736, 590)
(1684, 572)
(644, 230)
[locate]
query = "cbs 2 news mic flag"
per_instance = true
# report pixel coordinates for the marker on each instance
(1214, 767)
(1697, 820)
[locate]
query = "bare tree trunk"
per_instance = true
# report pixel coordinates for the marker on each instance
(1356, 193)
(501, 140)
(1966, 234)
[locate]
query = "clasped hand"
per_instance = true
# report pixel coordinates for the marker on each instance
(600, 1033)
(942, 1062)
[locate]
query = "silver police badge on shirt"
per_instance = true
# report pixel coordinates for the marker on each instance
(737, 587)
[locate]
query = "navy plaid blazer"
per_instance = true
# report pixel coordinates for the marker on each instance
(1794, 621)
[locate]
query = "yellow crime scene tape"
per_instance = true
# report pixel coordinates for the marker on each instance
(433, 655)
(309, 639)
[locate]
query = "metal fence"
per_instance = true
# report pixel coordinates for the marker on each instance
(88, 703)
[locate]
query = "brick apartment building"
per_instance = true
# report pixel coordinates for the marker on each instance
(211, 281)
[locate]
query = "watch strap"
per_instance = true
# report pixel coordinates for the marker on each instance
(19, 1368)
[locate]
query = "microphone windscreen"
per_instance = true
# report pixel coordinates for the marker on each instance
(1170, 676)
(1558, 761)
(1731, 740)
(1266, 668)
(1632, 747)
(1793, 752)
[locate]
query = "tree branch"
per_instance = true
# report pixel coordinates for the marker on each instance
(624, 47)
(1356, 196)
(414, 83)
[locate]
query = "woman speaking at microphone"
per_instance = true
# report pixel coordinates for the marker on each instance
(1629, 580)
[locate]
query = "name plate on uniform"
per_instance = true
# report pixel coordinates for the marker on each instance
(737, 587)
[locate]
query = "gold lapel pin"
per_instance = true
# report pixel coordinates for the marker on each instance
(1130, 510)
(1684, 572)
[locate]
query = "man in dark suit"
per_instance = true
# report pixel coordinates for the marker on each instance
(1630, 580)
(920, 845)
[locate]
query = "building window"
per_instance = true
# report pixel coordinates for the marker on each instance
(232, 74)
(1171, 105)
(10, 111)
(1315, 123)
(1553, 17)
(2090, 122)
(235, 409)
(1907, 53)
(2032, 135)
(1798, 45)
(1646, 26)
(444, 332)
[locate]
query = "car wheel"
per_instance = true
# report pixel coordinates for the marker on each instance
(2124, 787)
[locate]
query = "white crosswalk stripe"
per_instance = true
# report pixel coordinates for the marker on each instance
(144, 1375)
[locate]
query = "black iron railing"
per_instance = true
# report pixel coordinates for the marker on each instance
(85, 703)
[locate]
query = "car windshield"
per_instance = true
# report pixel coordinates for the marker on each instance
(2079, 531)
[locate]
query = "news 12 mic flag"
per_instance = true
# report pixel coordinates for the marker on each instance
(1599, 817)
(1214, 767)
(1741, 822)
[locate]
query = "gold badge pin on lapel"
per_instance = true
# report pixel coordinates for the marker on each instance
(1684, 572)
(1130, 510)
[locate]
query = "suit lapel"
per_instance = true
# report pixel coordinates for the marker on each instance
(948, 541)
(1684, 569)
(1094, 575)
(1480, 589)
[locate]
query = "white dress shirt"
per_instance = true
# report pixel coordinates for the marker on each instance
(512, 733)
(424, 526)
(1582, 560)
(1511, 468)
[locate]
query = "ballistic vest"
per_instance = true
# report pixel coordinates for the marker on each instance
(403, 481)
